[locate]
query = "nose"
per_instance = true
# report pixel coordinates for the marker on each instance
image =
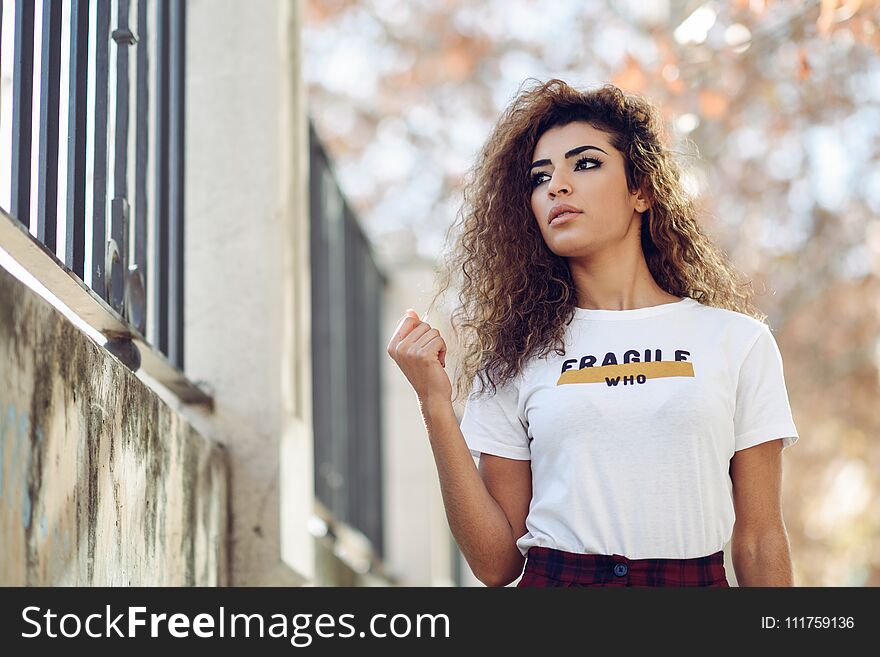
(558, 184)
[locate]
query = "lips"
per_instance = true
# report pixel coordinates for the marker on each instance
(560, 209)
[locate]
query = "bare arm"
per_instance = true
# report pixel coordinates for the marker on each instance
(486, 508)
(760, 549)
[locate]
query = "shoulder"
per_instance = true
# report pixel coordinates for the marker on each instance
(730, 321)
(733, 333)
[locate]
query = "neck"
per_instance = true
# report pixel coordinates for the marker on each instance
(617, 279)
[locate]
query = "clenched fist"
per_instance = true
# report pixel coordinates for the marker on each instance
(420, 353)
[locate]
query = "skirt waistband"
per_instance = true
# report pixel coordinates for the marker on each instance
(572, 569)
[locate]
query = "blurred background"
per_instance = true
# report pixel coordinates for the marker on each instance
(216, 212)
(775, 107)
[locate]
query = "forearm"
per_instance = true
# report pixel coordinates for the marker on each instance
(477, 522)
(763, 560)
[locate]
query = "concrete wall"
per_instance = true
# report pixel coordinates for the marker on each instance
(101, 484)
(247, 274)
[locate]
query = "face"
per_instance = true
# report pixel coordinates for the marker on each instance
(577, 171)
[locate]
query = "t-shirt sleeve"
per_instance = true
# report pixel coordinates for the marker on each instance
(762, 412)
(491, 423)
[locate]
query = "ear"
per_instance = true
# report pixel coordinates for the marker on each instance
(641, 201)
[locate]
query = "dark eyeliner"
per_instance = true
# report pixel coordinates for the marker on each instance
(536, 176)
(588, 159)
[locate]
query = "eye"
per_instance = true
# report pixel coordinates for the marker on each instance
(580, 165)
(537, 178)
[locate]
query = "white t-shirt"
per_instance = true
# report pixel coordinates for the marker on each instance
(631, 432)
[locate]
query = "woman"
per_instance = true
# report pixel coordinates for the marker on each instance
(638, 408)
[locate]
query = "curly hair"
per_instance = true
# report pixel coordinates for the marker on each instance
(515, 296)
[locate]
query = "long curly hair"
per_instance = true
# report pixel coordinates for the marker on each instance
(515, 296)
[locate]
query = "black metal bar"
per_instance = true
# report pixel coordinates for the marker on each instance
(76, 140)
(349, 376)
(176, 101)
(142, 145)
(118, 267)
(320, 327)
(338, 321)
(358, 462)
(160, 263)
(50, 96)
(375, 366)
(368, 402)
(372, 348)
(346, 310)
(122, 37)
(22, 108)
(99, 208)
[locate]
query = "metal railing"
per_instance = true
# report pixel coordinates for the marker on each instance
(108, 204)
(347, 290)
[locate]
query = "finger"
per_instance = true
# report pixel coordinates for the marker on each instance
(399, 327)
(400, 333)
(414, 334)
(441, 354)
(429, 335)
(403, 328)
(408, 334)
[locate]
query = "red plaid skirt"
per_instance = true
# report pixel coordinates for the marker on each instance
(548, 567)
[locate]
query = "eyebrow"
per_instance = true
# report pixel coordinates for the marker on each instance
(571, 153)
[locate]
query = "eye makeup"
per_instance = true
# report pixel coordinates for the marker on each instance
(578, 166)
